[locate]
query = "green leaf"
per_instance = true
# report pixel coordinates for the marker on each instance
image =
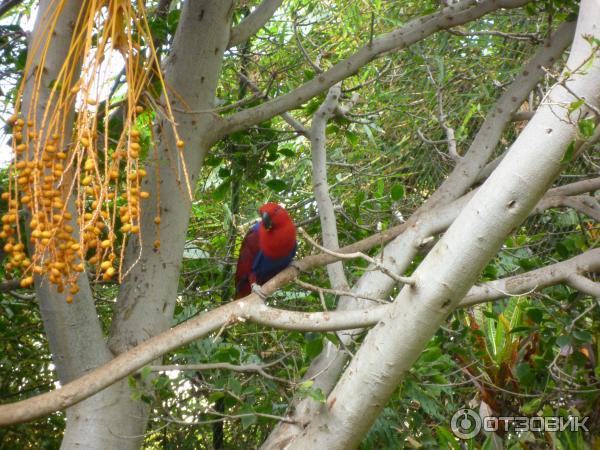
(380, 188)
(306, 390)
(563, 341)
(220, 192)
(520, 330)
(431, 354)
(234, 386)
(21, 59)
(313, 347)
(277, 185)
(250, 418)
(145, 372)
(568, 156)
(447, 439)
(587, 127)
(530, 408)
(306, 384)
(214, 396)
(317, 395)
(285, 151)
(582, 335)
(132, 382)
(161, 382)
(576, 105)
(397, 192)
(535, 314)
(524, 373)
(333, 338)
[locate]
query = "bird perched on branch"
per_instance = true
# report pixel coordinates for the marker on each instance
(267, 249)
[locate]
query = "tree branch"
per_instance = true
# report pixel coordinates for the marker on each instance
(379, 265)
(534, 37)
(584, 204)
(254, 22)
(250, 308)
(318, 139)
(584, 284)
(414, 31)
(568, 271)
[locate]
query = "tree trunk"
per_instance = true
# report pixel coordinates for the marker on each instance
(74, 331)
(148, 294)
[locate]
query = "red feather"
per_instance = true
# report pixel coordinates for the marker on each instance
(265, 250)
(278, 241)
(248, 252)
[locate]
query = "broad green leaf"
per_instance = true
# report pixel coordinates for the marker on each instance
(397, 192)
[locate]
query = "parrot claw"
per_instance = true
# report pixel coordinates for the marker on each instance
(258, 291)
(296, 266)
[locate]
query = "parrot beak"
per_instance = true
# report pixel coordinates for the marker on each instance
(266, 220)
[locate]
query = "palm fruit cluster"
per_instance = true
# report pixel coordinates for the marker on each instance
(53, 184)
(73, 196)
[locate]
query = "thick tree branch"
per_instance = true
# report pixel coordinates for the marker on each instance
(287, 117)
(562, 272)
(318, 138)
(254, 22)
(467, 169)
(250, 308)
(584, 204)
(584, 284)
(414, 31)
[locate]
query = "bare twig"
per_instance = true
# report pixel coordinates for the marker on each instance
(340, 293)
(378, 265)
(256, 368)
(534, 37)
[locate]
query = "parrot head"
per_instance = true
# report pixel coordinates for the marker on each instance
(274, 216)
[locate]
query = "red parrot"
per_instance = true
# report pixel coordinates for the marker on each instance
(267, 249)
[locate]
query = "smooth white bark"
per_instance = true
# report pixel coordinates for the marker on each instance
(148, 293)
(254, 22)
(318, 138)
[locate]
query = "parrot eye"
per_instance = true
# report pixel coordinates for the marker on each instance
(266, 220)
